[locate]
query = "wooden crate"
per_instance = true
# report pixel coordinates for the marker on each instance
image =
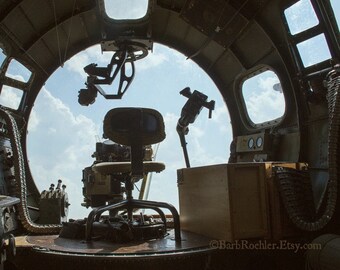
(227, 201)
(233, 201)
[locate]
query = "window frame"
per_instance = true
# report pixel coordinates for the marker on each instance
(102, 10)
(242, 103)
(14, 83)
(323, 27)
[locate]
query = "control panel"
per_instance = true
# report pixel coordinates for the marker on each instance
(251, 143)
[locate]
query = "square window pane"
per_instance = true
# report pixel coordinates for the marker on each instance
(314, 50)
(301, 16)
(11, 97)
(18, 71)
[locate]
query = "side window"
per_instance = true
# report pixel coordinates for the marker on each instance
(336, 9)
(311, 45)
(2, 57)
(11, 97)
(126, 9)
(18, 71)
(300, 17)
(314, 50)
(263, 97)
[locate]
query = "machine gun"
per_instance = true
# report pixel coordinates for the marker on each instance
(190, 111)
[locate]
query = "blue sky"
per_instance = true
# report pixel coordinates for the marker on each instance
(62, 134)
(74, 129)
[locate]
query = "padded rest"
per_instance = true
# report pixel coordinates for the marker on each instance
(124, 167)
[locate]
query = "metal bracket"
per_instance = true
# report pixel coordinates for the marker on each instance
(126, 53)
(196, 101)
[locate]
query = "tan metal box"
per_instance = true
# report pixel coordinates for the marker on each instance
(226, 201)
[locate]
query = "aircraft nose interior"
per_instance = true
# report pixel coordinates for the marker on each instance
(271, 203)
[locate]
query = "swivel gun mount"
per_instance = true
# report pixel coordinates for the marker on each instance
(190, 111)
(126, 52)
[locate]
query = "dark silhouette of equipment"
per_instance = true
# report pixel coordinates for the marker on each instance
(126, 53)
(54, 204)
(134, 127)
(101, 189)
(190, 111)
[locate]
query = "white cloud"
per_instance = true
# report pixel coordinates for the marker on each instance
(33, 121)
(262, 101)
(77, 63)
(10, 97)
(60, 147)
(51, 130)
(91, 55)
(183, 63)
(152, 60)
(267, 83)
(221, 117)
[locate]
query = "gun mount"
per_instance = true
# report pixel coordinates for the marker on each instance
(126, 53)
(191, 109)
